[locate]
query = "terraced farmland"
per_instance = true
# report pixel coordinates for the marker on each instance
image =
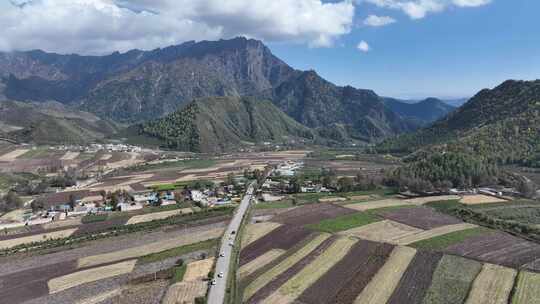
(388, 255)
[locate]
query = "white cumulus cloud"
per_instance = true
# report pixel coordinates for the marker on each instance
(374, 20)
(363, 46)
(417, 9)
(102, 26)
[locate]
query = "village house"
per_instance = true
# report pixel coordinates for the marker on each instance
(129, 206)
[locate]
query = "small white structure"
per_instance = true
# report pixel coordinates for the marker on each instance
(130, 206)
(271, 198)
(308, 189)
(168, 202)
(197, 196)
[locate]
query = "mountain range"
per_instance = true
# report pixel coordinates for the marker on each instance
(137, 87)
(501, 123)
(423, 112)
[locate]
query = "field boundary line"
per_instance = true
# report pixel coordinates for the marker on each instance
(493, 285)
(268, 276)
(382, 286)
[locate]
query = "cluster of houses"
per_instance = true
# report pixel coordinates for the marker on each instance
(279, 183)
(288, 168)
(66, 204)
(93, 148)
(500, 192)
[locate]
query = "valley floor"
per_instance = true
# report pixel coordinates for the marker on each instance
(384, 250)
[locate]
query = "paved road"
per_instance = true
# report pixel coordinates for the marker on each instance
(216, 294)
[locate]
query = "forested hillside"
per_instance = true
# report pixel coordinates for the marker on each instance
(226, 123)
(502, 124)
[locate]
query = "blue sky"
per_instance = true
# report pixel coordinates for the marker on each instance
(441, 48)
(453, 53)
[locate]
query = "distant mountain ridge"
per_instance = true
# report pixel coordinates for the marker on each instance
(140, 86)
(347, 111)
(501, 123)
(424, 112)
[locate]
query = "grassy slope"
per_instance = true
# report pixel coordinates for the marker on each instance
(51, 123)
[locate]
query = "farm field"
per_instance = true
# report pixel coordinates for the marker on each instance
(523, 213)
(383, 231)
(296, 285)
(526, 290)
(9, 243)
(270, 291)
(381, 287)
(310, 214)
(140, 251)
(198, 270)
(420, 217)
(91, 275)
(157, 216)
(480, 199)
(416, 279)
(283, 237)
(255, 231)
(11, 156)
(102, 227)
(435, 232)
(101, 267)
(498, 248)
(443, 241)
(452, 280)
(259, 262)
(493, 285)
(400, 254)
(369, 205)
(264, 279)
(185, 292)
(343, 282)
(344, 222)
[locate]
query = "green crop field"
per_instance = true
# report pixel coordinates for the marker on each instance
(179, 272)
(443, 241)
(452, 280)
